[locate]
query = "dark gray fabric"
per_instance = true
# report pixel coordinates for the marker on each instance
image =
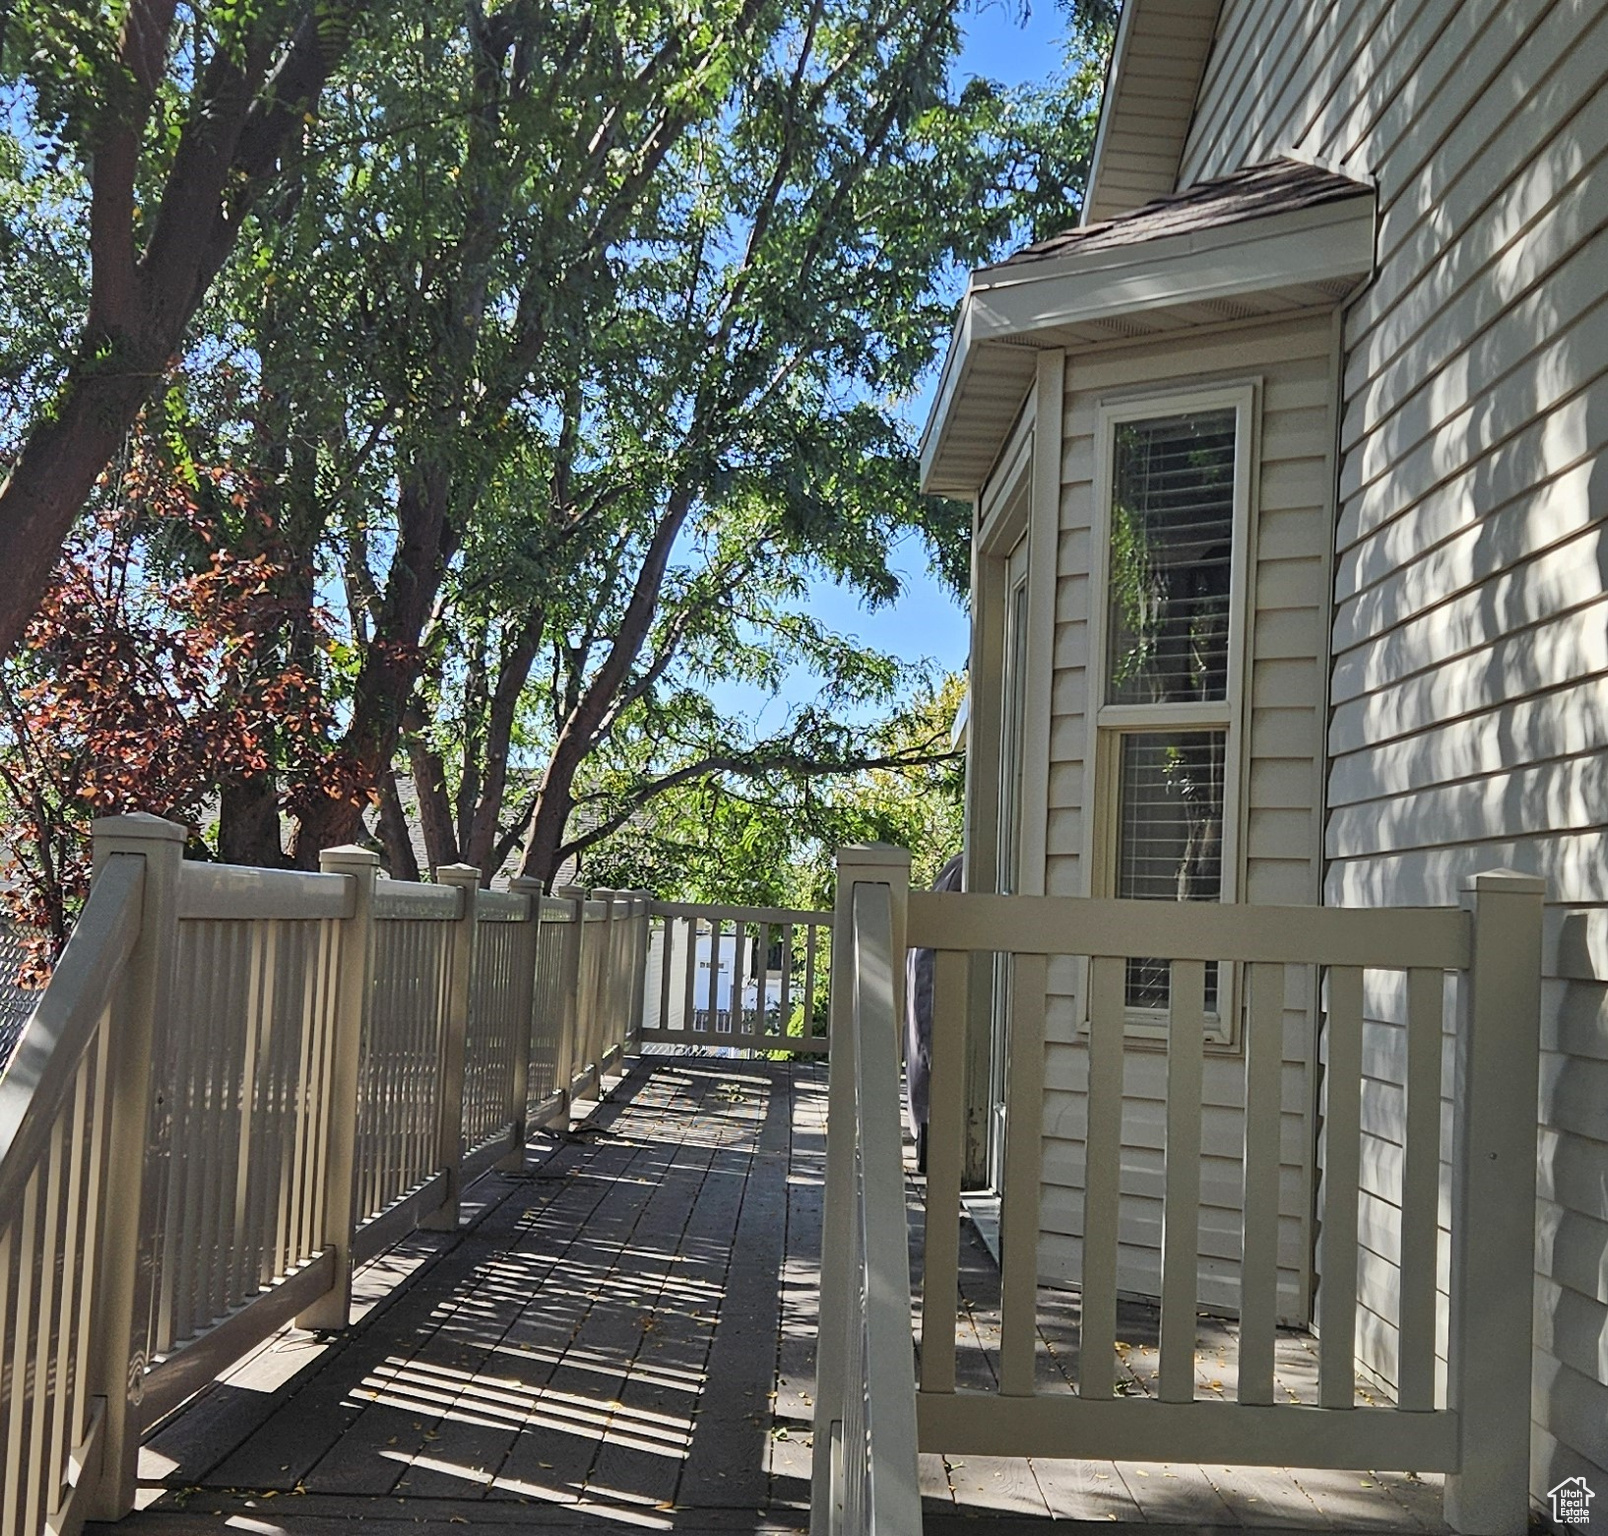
(920, 965)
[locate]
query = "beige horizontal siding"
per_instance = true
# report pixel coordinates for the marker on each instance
(1470, 639)
(1293, 360)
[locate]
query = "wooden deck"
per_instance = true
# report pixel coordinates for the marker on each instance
(623, 1337)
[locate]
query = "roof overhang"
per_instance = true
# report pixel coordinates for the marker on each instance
(1274, 264)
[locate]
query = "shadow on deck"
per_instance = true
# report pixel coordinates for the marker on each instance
(623, 1336)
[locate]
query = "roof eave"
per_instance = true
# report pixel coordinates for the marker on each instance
(1012, 311)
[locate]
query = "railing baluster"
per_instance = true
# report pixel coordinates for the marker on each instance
(75, 1272)
(785, 1003)
(689, 1001)
(48, 1242)
(12, 1366)
(809, 980)
(574, 1004)
(946, 1136)
(25, 1403)
(739, 955)
(1420, 1192)
(1182, 1195)
(1337, 1241)
(1019, 1205)
(235, 1213)
(1102, 1150)
(355, 984)
(454, 1044)
(1259, 1249)
(1180, 1239)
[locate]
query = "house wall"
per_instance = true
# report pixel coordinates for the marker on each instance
(1291, 509)
(1470, 676)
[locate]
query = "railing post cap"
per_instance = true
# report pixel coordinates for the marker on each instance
(525, 884)
(349, 854)
(137, 826)
(874, 853)
(457, 874)
(570, 892)
(1505, 882)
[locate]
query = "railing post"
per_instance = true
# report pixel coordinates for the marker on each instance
(454, 1043)
(872, 864)
(354, 992)
(572, 1044)
(641, 945)
(524, 1032)
(1493, 1207)
(133, 1196)
(605, 980)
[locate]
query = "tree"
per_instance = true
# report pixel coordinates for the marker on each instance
(569, 345)
(161, 661)
(727, 428)
(769, 837)
(177, 126)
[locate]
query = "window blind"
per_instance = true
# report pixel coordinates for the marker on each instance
(1172, 532)
(1169, 835)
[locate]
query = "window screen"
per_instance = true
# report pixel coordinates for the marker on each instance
(1172, 527)
(1169, 835)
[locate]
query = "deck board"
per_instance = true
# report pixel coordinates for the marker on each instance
(624, 1337)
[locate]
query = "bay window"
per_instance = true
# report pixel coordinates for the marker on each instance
(1171, 529)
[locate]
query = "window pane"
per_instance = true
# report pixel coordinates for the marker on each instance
(1172, 529)
(1169, 835)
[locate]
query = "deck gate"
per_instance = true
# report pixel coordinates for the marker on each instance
(1476, 1430)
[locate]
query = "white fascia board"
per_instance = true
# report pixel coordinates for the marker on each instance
(1328, 243)
(1108, 93)
(956, 364)
(1333, 242)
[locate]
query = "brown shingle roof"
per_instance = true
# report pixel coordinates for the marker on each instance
(1279, 186)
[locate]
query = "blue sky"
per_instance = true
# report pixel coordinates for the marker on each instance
(925, 623)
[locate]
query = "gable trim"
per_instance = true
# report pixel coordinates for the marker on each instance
(1157, 64)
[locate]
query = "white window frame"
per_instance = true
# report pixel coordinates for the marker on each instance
(1108, 723)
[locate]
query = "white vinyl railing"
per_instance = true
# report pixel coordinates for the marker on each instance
(1476, 1432)
(737, 978)
(239, 1083)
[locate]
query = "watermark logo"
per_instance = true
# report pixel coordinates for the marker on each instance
(1571, 1501)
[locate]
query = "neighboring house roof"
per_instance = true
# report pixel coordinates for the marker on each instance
(1279, 186)
(15, 1004)
(1149, 102)
(1267, 240)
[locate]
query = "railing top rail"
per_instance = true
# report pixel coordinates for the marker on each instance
(1391, 938)
(728, 914)
(558, 909)
(503, 907)
(235, 891)
(395, 899)
(62, 1024)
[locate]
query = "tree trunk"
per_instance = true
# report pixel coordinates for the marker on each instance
(435, 811)
(229, 144)
(392, 663)
(248, 822)
(57, 470)
(579, 733)
(400, 858)
(481, 848)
